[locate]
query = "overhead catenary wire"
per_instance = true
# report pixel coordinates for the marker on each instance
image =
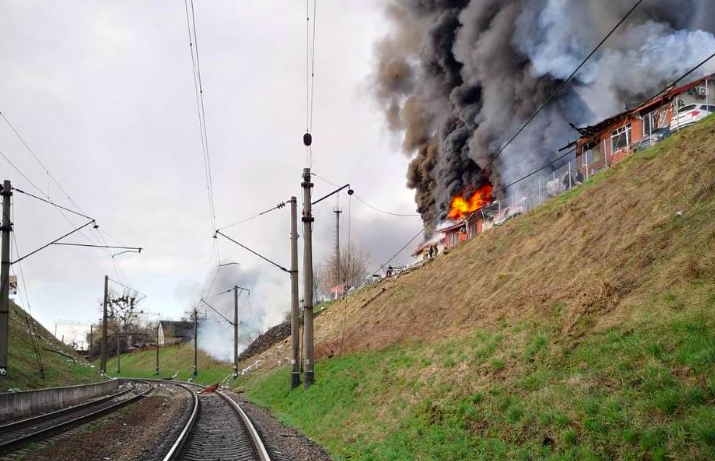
(19, 171)
(200, 104)
(52, 242)
(502, 188)
(361, 200)
(559, 88)
(216, 311)
(85, 245)
(252, 251)
(28, 318)
(550, 163)
(131, 289)
(258, 215)
(49, 202)
(80, 212)
(679, 79)
(310, 74)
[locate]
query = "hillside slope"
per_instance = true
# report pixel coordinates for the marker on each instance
(172, 359)
(583, 330)
(23, 367)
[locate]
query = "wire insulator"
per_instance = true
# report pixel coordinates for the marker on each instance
(307, 139)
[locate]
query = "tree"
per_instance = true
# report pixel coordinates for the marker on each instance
(122, 308)
(121, 312)
(354, 260)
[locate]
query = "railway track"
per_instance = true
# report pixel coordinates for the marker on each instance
(217, 429)
(15, 434)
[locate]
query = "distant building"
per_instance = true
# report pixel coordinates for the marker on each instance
(171, 332)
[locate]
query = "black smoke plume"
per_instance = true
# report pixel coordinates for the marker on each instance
(457, 78)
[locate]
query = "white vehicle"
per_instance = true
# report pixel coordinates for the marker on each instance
(690, 114)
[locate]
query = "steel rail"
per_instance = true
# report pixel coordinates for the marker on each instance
(184, 435)
(258, 444)
(46, 432)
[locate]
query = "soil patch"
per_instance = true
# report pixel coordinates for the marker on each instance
(131, 434)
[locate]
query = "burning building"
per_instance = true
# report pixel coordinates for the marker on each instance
(457, 78)
(613, 139)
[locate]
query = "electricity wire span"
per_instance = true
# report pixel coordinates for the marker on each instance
(53, 242)
(84, 245)
(252, 251)
(500, 189)
(277, 207)
(200, 105)
(336, 191)
(143, 296)
(309, 74)
(361, 200)
(681, 78)
(216, 311)
(551, 97)
(560, 88)
(26, 301)
(100, 235)
(561, 157)
(240, 291)
(51, 203)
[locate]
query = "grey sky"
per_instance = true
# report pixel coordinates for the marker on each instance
(103, 92)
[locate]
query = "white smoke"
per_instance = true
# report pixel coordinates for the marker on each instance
(459, 77)
(262, 309)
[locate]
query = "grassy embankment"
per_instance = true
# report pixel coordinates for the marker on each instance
(142, 364)
(584, 330)
(23, 372)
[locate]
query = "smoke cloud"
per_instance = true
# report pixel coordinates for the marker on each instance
(457, 78)
(256, 312)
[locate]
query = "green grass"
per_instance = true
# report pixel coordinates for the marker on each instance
(23, 368)
(628, 375)
(624, 393)
(142, 364)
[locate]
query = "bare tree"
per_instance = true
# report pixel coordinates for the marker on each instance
(122, 308)
(354, 260)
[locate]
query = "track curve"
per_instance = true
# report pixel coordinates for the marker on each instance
(217, 430)
(18, 433)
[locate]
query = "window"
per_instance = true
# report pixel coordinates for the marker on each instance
(621, 138)
(688, 108)
(650, 123)
(591, 154)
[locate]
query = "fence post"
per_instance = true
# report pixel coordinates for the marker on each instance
(539, 190)
(570, 179)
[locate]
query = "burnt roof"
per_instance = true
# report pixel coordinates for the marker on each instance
(592, 130)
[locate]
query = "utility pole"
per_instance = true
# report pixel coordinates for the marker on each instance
(196, 342)
(103, 351)
(308, 219)
(337, 212)
(157, 347)
(89, 352)
(294, 313)
(235, 332)
(119, 351)
(5, 277)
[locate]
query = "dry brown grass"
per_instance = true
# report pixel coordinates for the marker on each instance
(578, 261)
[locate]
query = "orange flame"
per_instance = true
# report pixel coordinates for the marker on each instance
(461, 207)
